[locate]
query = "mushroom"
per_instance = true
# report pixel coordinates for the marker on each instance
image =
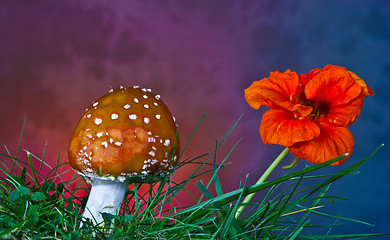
(127, 136)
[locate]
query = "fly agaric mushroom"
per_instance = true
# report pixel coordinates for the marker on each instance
(126, 136)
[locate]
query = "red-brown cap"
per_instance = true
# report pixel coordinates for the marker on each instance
(128, 133)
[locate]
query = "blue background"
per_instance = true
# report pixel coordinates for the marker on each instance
(58, 57)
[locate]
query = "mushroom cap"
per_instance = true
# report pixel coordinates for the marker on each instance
(127, 134)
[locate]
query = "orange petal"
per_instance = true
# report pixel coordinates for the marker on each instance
(276, 91)
(366, 89)
(332, 142)
(313, 73)
(279, 126)
(337, 95)
(334, 78)
(344, 115)
(303, 79)
(255, 98)
(303, 110)
(330, 66)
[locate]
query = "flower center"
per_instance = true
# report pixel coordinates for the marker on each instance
(320, 109)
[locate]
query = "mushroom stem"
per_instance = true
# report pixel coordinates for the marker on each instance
(105, 196)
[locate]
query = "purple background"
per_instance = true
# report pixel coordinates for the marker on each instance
(57, 57)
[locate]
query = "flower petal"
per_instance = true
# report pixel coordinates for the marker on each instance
(255, 98)
(306, 77)
(279, 126)
(334, 78)
(337, 95)
(276, 91)
(344, 115)
(366, 89)
(330, 66)
(313, 73)
(303, 110)
(332, 142)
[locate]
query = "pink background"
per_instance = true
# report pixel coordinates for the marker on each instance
(57, 57)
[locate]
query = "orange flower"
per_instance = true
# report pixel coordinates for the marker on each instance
(310, 112)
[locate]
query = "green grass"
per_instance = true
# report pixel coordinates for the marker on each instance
(36, 206)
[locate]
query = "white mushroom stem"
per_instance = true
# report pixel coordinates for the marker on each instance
(105, 196)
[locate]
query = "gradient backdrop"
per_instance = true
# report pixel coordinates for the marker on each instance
(57, 57)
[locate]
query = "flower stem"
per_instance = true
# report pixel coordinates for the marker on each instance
(293, 164)
(263, 177)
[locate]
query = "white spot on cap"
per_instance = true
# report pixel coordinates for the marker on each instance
(114, 116)
(95, 104)
(155, 104)
(145, 96)
(133, 117)
(121, 178)
(89, 136)
(158, 116)
(152, 153)
(146, 106)
(151, 139)
(105, 144)
(98, 121)
(118, 143)
(167, 142)
(127, 106)
(146, 120)
(99, 134)
(111, 140)
(89, 115)
(149, 90)
(135, 86)
(157, 97)
(136, 100)
(143, 89)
